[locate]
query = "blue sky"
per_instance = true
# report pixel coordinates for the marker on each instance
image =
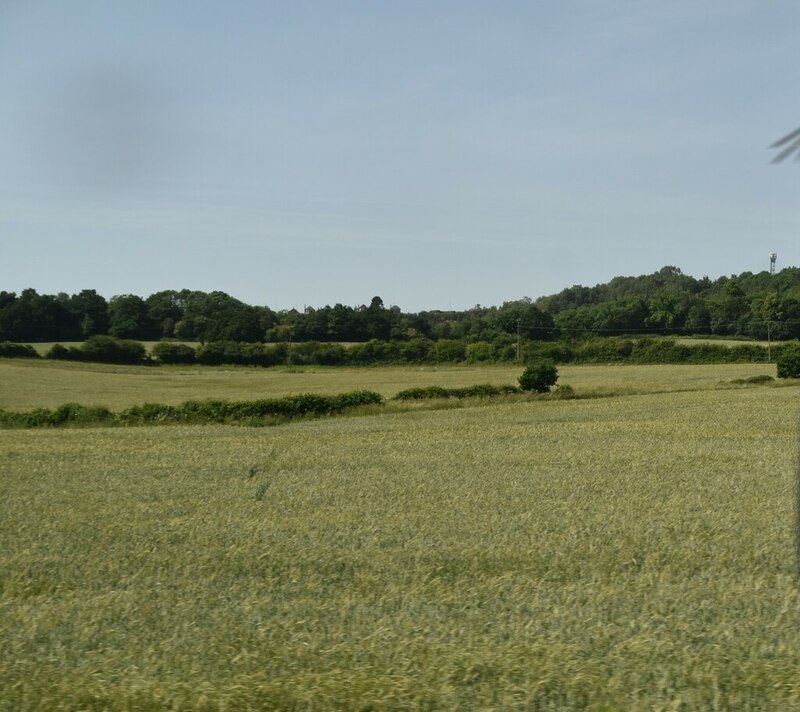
(438, 154)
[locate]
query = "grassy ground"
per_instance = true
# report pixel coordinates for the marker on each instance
(26, 384)
(633, 552)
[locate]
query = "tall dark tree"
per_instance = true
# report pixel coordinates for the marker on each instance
(164, 310)
(527, 318)
(91, 312)
(128, 317)
(37, 317)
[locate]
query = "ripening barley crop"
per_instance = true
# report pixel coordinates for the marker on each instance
(634, 552)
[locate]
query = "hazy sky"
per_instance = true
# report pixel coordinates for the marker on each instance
(438, 154)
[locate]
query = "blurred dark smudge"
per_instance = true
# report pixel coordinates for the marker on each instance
(791, 142)
(108, 129)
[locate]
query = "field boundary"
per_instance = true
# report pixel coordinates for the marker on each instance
(268, 412)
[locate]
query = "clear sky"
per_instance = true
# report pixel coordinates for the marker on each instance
(438, 154)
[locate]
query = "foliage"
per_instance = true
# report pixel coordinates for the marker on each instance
(665, 303)
(167, 352)
(526, 319)
(11, 350)
(101, 349)
(206, 411)
(539, 376)
(480, 352)
(754, 380)
(788, 361)
(128, 317)
(481, 390)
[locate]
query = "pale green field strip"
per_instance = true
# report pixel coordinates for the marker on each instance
(25, 385)
(635, 552)
(727, 342)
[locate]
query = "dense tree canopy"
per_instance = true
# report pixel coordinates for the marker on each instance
(665, 302)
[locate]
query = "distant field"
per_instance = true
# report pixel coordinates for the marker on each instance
(628, 552)
(26, 384)
(727, 342)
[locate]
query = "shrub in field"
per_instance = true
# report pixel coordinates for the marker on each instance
(60, 352)
(355, 398)
(11, 350)
(539, 376)
(416, 350)
(101, 349)
(762, 378)
(757, 380)
(374, 352)
(216, 353)
(565, 392)
(167, 352)
(448, 350)
(208, 411)
(789, 361)
(75, 413)
(107, 349)
(483, 390)
(748, 353)
(480, 352)
(422, 393)
(147, 413)
(325, 354)
(558, 351)
(67, 414)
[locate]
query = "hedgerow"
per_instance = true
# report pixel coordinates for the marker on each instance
(101, 349)
(612, 349)
(9, 349)
(205, 411)
(483, 390)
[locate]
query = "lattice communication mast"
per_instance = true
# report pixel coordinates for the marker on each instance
(772, 257)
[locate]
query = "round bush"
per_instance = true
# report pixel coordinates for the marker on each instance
(789, 362)
(539, 376)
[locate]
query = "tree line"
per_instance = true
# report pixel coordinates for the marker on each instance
(665, 302)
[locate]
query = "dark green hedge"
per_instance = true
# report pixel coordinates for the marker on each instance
(101, 349)
(9, 349)
(483, 390)
(419, 350)
(206, 411)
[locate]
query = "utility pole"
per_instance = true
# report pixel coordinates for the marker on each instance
(773, 256)
(519, 321)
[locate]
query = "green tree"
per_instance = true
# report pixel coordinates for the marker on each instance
(788, 361)
(128, 317)
(532, 322)
(771, 312)
(164, 311)
(91, 312)
(729, 309)
(539, 376)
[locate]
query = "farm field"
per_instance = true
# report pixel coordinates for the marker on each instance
(26, 384)
(628, 553)
(727, 342)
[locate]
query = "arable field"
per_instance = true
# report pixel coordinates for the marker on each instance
(627, 553)
(26, 384)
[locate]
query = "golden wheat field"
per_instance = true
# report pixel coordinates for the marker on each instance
(627, 553)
